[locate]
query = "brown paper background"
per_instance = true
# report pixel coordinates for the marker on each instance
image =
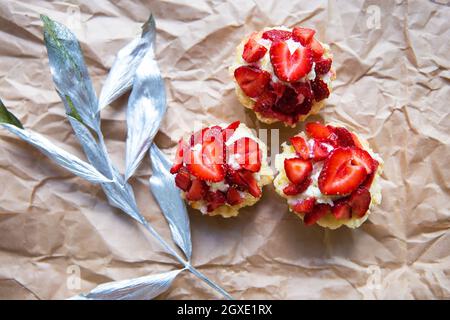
(392, 88)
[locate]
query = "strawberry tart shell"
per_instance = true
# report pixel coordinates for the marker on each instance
(328, 221)
(249, 103)
(263, 177)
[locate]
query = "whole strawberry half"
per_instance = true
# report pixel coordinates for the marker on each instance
(206, 162)
(253, 51)
(300, 147)
(344, 170)
(303, 35)
(290, 67)
(251, 80)
(297, 169)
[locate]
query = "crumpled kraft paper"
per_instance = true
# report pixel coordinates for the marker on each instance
(59, 237)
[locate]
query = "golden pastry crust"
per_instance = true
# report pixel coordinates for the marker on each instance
(249, 103)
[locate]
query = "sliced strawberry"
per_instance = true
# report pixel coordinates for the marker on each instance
(320, 89)
(369, 180)
(206, 163)
(251, 183)
(322, 66)
(197, 191)
(294, 189)
(318, 131)
(277, 35)
(229, 130)
(182, 179)
(233, 196)
(362, 157)
(356, 141)
(319, 211)
(253, 81)
(290, 67)
(178, 157)
(342, 172)
(215, 199)
(359, 201)
(197, 137)
(297, 170)
(341, 209)
(246, 152)
(344, 137)
(253, 51)
(304, 206)
(303, 35)
(300, 146)
(316, 48)
(320, 151)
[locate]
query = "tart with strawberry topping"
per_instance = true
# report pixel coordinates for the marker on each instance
(282, 74)
(221, 169)
(329, 176)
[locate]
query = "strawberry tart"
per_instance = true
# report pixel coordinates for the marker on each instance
(329, 176)
(221, 169)
(283, 74)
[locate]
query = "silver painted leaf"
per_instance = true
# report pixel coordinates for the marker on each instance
(146, 108)
(120, 195)
(167, 195)
(95, 152)
(143, 288)
(121, 75)
(69, 72)
(60, 156)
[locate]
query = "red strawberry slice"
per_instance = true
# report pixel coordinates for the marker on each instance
(253, 81)
(363, 158)
(246, 152)
(303, 35)
(322, 66)
(251, 183)
(182, 179)
(342, 172)
(277, 35)
(359, 201)
(178, 157)
(369, 180)
(318, 131)
(290, 67)
(316, 48)
(304, 206)
(300, 146)
(297, 170)
(319, 211)
(229, 130)
(233, 196)
(294, 189)
(206, 163)
(320, 151)
(320, 89)
(197, 137)
(341, 209)
(356, 141)
(215, 200)
(197, 191)
(253, 51)
(344, 137)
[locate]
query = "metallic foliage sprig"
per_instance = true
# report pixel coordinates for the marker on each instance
(135, 67)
